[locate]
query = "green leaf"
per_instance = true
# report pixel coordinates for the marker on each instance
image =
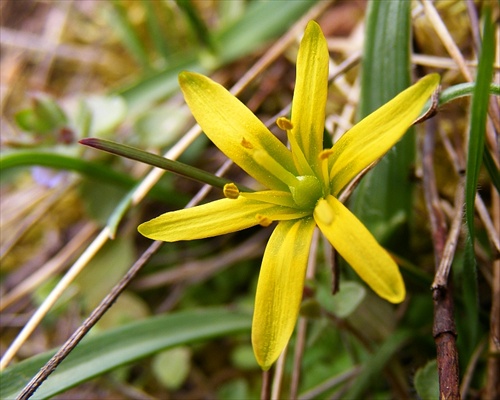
(427, 381)
(119, 21)
(58, 161)
(383, 198)
(153, 10)
(261, 22)
(105, 112)
(199, 27)
(492, 169)
(479, 112)
(461, 90)
(345, 302)
(374, 366)
(176, 167)
(105, 269)
(171, 367)
(44, 117)
(103, 352)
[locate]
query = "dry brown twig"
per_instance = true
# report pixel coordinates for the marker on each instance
(444, 330)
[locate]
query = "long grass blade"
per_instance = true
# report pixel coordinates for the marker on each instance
(103, 352)
(383, 199)
(477, 131)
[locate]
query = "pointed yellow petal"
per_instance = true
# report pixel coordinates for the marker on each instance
(360, 249)
(372, 137)
(213, 219)
(280, 287)
(309, 98)
(233, 128)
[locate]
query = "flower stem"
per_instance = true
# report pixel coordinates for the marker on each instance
(176, 167)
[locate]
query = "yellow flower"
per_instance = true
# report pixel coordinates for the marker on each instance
(302, 183)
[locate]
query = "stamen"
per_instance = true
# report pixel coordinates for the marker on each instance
(323, 161)
(263, 220)
(246, 144)
(275, 168)
(231, 191)
(299, 158)
(276, 197)
(284, 124)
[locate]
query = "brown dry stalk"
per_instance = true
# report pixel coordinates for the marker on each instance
(444, 330)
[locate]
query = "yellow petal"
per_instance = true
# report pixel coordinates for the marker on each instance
(373, 136)
(213, 219)
(233, 128)
(280, 287)
(360, 249)
(309, 98)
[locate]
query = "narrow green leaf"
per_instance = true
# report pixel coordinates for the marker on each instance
(467, 278)
(101, 353)
(152, 159)
(155, 28)
(479, 112)
(345, 302)
(383, 198)
(261, 22)
(373, 367)
(43, 117)
(121, 23)
(427, 381)
(201, 30)
(461, 90)
(58, 161)
(492, 169)
(467, 89)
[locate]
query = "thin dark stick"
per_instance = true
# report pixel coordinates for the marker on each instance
(105, 304)
(297, 357)
(444, 330)
(78, 335)
(265, 391)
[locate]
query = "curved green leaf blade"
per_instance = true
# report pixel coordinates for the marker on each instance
(261, 22)
(102, 173)
(479, 112)
(383, 199)
(477, 132)
(427, 381)
(101, 353)
(376, 363)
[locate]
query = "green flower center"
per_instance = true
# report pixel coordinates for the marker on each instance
(306, 191)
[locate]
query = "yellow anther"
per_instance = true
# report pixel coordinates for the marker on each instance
(284, 124)
(246, 144)
(231, 191)
(325, 154)
(263, 220)
(323, 158)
